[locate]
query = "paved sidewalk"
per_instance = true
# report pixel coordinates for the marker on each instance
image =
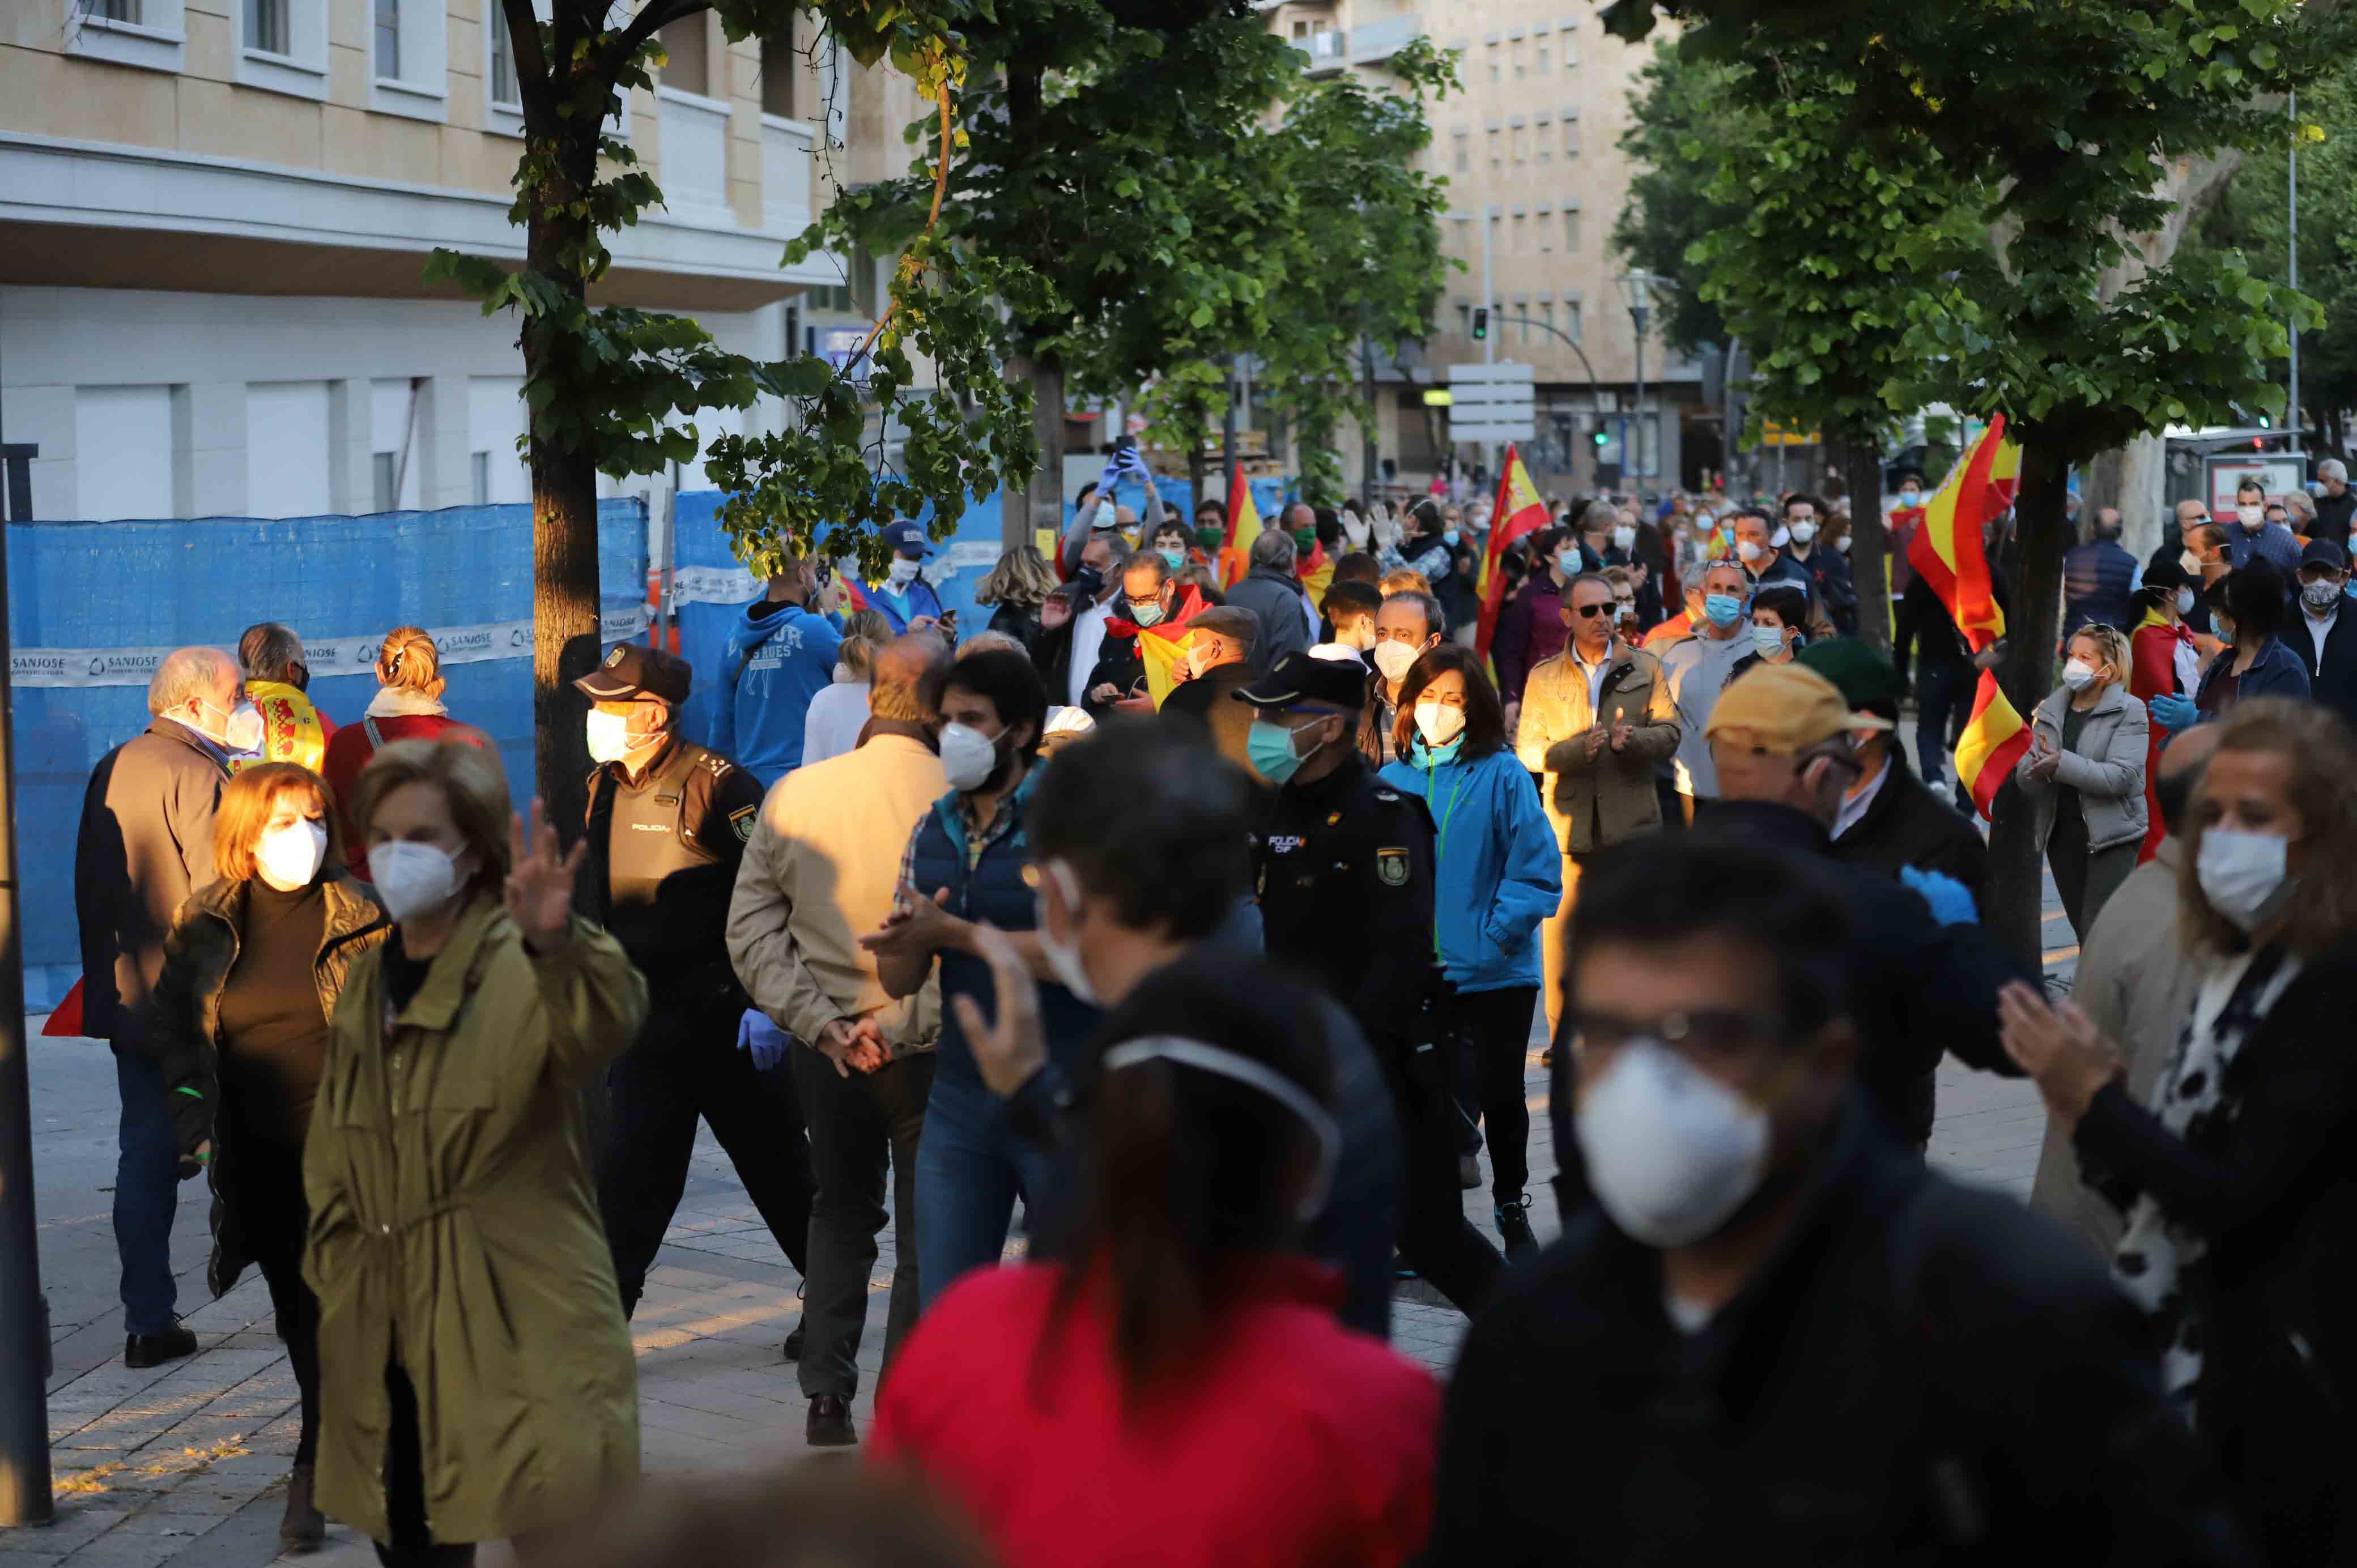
(185, 1464)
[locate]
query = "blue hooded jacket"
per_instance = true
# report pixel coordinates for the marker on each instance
(900, 608)
(1498, 869)
(779, 657)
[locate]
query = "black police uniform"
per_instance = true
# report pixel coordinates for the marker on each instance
(1346, 895)
(661, 867)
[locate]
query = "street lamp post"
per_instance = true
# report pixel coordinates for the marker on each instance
(1638, 285)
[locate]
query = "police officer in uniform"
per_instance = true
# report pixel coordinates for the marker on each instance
(667, 825)
(1346, 889)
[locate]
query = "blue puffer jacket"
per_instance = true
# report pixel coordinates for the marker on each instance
(1500, 872)
(993, 891)
(779, 657)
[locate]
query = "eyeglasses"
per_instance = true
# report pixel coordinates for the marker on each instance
(1704, 1034)
(1589, 611)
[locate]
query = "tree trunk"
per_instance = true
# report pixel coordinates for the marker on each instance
(1042, 506)
(1860, 462)
(2016, 880)
(565, 608)
(2134, 479)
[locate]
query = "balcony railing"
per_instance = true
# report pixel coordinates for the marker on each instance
(694, 155)
(785, 175)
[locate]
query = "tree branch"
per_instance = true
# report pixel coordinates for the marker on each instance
(940, 186)
(533, 84)
(657, 14)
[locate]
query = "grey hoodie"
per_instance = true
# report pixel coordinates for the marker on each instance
(1696, 668)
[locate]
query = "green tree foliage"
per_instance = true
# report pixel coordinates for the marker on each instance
(1681, 113)
(2012, 150)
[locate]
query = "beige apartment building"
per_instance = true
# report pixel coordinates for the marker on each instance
(1530, 149)
(213, 215)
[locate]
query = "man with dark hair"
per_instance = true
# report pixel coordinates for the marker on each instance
(1889, 819)
(2098, 578)
(1346, 898)
(965, 864)
(1358, 566)
(1219, 663)
(1776, 1336)
(1349, 610)
(2314, 634)
(1832, 594)
(1141, 841)
(2252, 536)
(1763, 562)
(278, 684)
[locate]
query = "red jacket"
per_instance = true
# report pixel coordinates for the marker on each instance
(2153, 673)
(349, 749)
(1293, 1441)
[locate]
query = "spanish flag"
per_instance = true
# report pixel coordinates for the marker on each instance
(1946, 553)
(1316, 574)
(1243, 527)
(1162, 646)
(1519, 511)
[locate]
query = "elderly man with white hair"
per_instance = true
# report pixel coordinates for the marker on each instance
(145, 844)
(2335, 506)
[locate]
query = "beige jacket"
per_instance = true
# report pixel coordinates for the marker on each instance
(2136, 983)
(1596, 802)
(820, 873)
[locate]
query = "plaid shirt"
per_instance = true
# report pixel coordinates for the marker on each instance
(2273, 543)
(1010, 814)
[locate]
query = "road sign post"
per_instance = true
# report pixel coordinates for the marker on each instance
(1492, 402)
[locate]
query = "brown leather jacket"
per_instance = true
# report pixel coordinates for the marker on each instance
(1594, 803)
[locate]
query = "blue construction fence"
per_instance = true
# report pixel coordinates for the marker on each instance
(93, 605)
(710, 589)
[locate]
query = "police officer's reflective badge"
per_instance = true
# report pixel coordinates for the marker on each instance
(1391, 868)
(742, 820)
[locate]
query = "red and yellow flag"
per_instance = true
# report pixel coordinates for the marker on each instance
(1519, 511)
(1162, 647)
(1947, 553)
(1243, 527)
(1316, 574)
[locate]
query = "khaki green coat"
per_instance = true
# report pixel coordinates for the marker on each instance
(455, 1229)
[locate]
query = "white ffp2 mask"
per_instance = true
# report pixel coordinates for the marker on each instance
(412, 878)
(1671, 1151)
(288, 857)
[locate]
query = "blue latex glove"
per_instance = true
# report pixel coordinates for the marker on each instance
(2174, 712)
(764, 1039)
(1950, 900)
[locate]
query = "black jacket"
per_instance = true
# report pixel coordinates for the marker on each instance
(662, 867)
(1022, 625)
(1924, 1372)
(1907, 824)
(1119, 665)
(1836, 592)
(2095, 587)
(1927, 630)
(2333, 515)
(1919, 990)
(2272, 1190)
(2335, 684)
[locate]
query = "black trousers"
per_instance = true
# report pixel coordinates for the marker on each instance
(684, 1066)
(413, 1544)
(1942, 693)
(858, 1126)
(1436, 1239)
(266, 1185)
(1493, 1032)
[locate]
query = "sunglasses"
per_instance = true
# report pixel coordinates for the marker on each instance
(1588, 612)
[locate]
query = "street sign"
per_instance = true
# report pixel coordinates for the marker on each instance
(1491, 403)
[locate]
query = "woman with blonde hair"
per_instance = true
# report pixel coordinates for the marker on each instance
(2084, 773)
(252, 969)
(407, 706)
(1017, 586)
(2237, 1181)
(476, 1374)
(839, 712)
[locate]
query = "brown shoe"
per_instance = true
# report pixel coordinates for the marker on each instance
(830, 1422)
(302, 1528)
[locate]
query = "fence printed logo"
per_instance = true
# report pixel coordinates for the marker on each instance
(70, 667)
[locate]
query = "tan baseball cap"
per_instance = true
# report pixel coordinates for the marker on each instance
(1784, 708)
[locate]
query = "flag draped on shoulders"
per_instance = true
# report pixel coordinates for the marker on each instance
(1161, 647)
(1519, 511)
(1947, 553)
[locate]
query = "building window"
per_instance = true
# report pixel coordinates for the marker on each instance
(1514, 138)
(388, 39)
(1570, 138)
(1301, 28)
(385, 469)
(113, 10)
(1571, 320)
(1497, 152)
(777, 63)
(266, 26)
(478, 477)
(1460, 152)
(689, 68)
(1542, 56)
(1515, 52)
(1465, 322)
(1547, 315)
(1522, 318)
(503, 72)
(1516, 248)
(1571, 230)
(1494, 62)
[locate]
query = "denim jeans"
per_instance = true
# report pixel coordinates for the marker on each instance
(969, 1168)
(146, 1192)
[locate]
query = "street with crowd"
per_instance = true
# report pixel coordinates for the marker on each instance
(1187, 927)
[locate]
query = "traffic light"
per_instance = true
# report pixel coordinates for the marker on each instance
(1480, 323)
(1601, 436)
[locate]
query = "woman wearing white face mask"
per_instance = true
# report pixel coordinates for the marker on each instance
(2085, 774)
(1499, 877)
(252, 973)
(476, 1373)
(2236, 1183)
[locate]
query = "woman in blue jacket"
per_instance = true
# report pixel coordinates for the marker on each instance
(1499, 874)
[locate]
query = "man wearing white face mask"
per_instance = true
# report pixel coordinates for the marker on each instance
(1219, 663)
(144, 844)
(1777, 1337)
(666, 827)
(2252, 535)
(907, 600)
(1405, 625)
(2316, 635)
(1833, 593)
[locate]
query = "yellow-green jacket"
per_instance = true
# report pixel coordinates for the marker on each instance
(455, 1227)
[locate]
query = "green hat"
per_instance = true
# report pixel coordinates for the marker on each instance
(1867, 678)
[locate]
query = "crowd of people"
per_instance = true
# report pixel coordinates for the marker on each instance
(1223, 974)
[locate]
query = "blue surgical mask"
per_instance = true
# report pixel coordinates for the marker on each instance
(1567, 562)
(1177, 558)
(1147, 613)
(1448, 537)
(1269, 745)
(1724, 610)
